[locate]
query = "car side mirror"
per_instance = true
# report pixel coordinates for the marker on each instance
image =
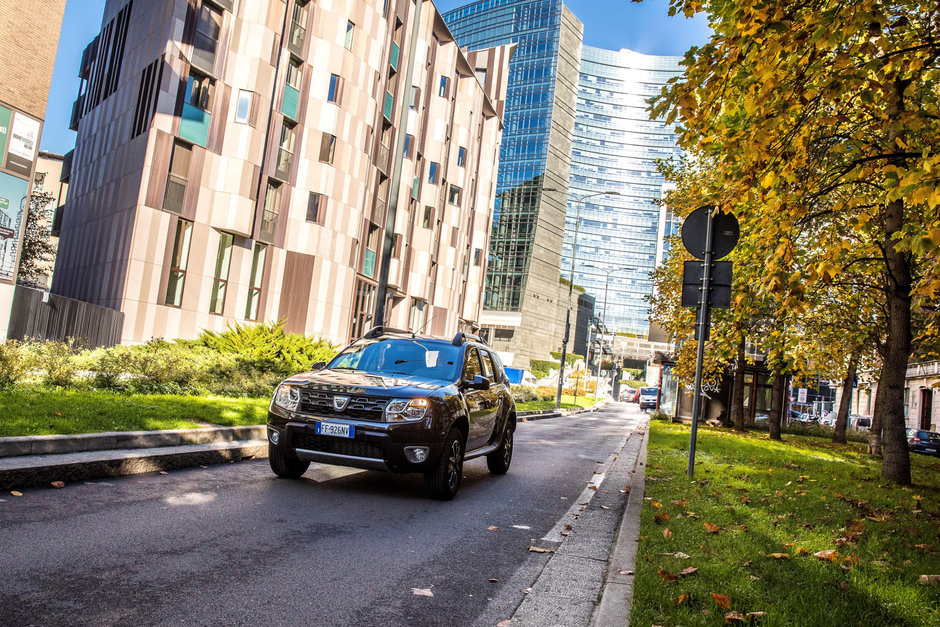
(478, 382)
(320, 365)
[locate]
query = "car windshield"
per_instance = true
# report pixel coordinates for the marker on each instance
(649, 391)
(410, 357)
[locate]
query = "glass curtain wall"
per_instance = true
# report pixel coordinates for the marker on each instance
(535, 25)
(616, 146)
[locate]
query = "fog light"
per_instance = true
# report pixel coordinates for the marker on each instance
(274, 436)
(416, 454)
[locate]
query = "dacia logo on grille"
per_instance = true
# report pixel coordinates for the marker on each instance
(340, 402)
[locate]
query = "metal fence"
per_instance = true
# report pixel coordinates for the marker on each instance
(41, 315)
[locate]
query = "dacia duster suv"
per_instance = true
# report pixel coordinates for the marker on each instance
(397, 402)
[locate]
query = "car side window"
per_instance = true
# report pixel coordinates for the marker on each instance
(487, 364)
(471, 367)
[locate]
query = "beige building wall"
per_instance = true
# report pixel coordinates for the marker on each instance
(118, 233)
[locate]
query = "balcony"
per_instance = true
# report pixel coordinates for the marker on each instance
(285, 160)
(194, 125)
(77, 107)
(290, 102)
(296, 38)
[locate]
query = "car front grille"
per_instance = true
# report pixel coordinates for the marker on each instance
(360, 407)
(337, 446)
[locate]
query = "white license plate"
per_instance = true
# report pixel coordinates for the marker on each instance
(337, 430)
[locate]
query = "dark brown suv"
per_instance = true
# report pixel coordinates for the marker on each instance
(398, 402)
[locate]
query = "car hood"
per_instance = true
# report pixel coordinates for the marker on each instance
(365, 382)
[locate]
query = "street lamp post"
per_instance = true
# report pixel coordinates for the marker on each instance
(574, 252)
(604, 315)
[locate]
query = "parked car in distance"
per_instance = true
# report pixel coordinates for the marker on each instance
(399, 402)
(649, 397)
(857, 421)
(630, 395)
(926, 442)
(801, 417)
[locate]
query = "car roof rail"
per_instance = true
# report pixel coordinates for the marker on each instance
(375, 332)
(463, 337)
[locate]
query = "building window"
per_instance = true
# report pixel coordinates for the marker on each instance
(206, 37)
(316, 208)
(285, 153)
(254, 281)
(409, 146)
(298, 26)
(372, 251)
(363, 308)
(327, 148)
(477, 256)
(272, 207)
(295, 72)
(350, 31)
(415, 97)
(199, 90)
(178, 263)
(432, 173)
(223, 261)
(461, 156)
(178, 177)
(428, 216)
(332, 94)
(454, 195)
(243, 106)
(417, 318)
(442, 90)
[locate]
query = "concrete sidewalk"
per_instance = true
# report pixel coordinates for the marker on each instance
(39, 460)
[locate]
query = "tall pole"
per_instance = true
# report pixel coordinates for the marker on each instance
(702, 326)
(574, 252)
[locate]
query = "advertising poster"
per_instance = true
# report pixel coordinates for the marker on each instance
(12, 207)
(24, 138)
(5, 117)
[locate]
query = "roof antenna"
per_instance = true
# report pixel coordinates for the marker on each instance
(424, 326)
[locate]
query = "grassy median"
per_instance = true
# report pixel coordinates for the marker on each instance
(802, 532)
(61, 412)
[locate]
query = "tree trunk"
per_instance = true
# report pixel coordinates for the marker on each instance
(842, 418)
(874, 433)
(737, 393)
(776, 406)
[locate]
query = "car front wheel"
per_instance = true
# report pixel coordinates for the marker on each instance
(498, 461)
(443, 480)
(284, 465)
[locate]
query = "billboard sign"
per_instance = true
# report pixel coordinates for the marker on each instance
(6, 116)
(24, 139)
(13, 192)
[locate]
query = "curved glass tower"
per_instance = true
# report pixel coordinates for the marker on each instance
(616, 146)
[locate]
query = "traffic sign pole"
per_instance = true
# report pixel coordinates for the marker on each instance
(701, 324)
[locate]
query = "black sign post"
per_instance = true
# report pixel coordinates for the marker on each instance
(707, 237)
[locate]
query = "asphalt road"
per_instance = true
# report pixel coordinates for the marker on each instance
(233, 544)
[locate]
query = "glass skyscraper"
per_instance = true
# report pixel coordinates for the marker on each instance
(616, 146)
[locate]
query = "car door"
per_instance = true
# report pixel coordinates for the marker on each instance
(492, 395)
(476, 400)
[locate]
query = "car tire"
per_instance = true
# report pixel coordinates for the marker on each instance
(285, 465)
(443, 480)
(498, 461)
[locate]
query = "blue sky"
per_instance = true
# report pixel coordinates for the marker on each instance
(614, 24)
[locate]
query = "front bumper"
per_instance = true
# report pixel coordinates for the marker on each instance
(375, 445)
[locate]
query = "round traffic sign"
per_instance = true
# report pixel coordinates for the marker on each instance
(725, 232)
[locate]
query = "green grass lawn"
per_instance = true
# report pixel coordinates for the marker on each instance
(567, 402)
(61, 412)
(775, 506)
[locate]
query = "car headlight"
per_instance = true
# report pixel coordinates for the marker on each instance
(287, 396)
(406, 409)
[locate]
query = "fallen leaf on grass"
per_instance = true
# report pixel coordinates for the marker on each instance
(681, 556)
(665, 575)
(493, 528)
(682, 599)
(827, 556)
(422, 592)
(878, 518)
(857, 525)
(621, 571)
(732, 617)
(711, 527)
(667, 533)
(755, 615)
(656, 504)
(691, 570)
(802, 551)
(721, 600)
(929, 580)
(779, 556)
(851, 560)
(58, 484)
(661, 518)
(539, 549)
(681, 503)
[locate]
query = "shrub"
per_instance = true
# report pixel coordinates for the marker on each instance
(546, 393)
(57, 360)
(636, 385)
(570, 358)
(16, 360)
(523, 394)
(542, 368)
(660, 415)
(269, 347)
(109, 365)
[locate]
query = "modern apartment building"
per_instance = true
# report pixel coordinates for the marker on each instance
(249, 160)
(524, 307)
(616, 145)
(30, 37)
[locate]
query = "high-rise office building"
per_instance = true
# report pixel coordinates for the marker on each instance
(616, 145)
(249, 160)
(524, 306)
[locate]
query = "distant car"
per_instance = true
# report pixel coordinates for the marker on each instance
(828, 421)
(649, 398)
(926, 442)
(857, 421)
(630, 395)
